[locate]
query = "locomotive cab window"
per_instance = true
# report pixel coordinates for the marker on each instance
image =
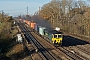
(55, 36)
(59, 36)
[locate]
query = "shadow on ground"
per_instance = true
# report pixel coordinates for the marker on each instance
(72, 41)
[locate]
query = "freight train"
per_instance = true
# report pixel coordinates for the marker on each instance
(55, 37)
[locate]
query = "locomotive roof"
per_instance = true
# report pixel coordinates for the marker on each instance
(55, 32)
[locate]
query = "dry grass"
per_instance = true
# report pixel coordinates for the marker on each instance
(14, 50)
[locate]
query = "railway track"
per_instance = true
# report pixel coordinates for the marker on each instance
(44, 54)
(68, 53)
(83, 49)
(55, 57)
(53, 50)
(79, 50)
(48, 55)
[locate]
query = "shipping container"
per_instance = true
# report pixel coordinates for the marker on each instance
(50, 36)
(32, 25)
(46, 32)
(41, 30)
(27, 22)
(24, 21)
(36, 27)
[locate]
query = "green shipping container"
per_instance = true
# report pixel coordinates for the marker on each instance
(50, 36)
(41, 30)
(46, 32)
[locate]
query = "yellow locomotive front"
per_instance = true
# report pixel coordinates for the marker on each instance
(57, 39)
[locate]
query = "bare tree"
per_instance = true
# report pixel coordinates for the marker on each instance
(70, 15)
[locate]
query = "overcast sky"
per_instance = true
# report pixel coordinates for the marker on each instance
(19, 7)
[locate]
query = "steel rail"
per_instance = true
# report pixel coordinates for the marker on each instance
(37, 45)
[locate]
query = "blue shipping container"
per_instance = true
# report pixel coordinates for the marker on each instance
(36, 27)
